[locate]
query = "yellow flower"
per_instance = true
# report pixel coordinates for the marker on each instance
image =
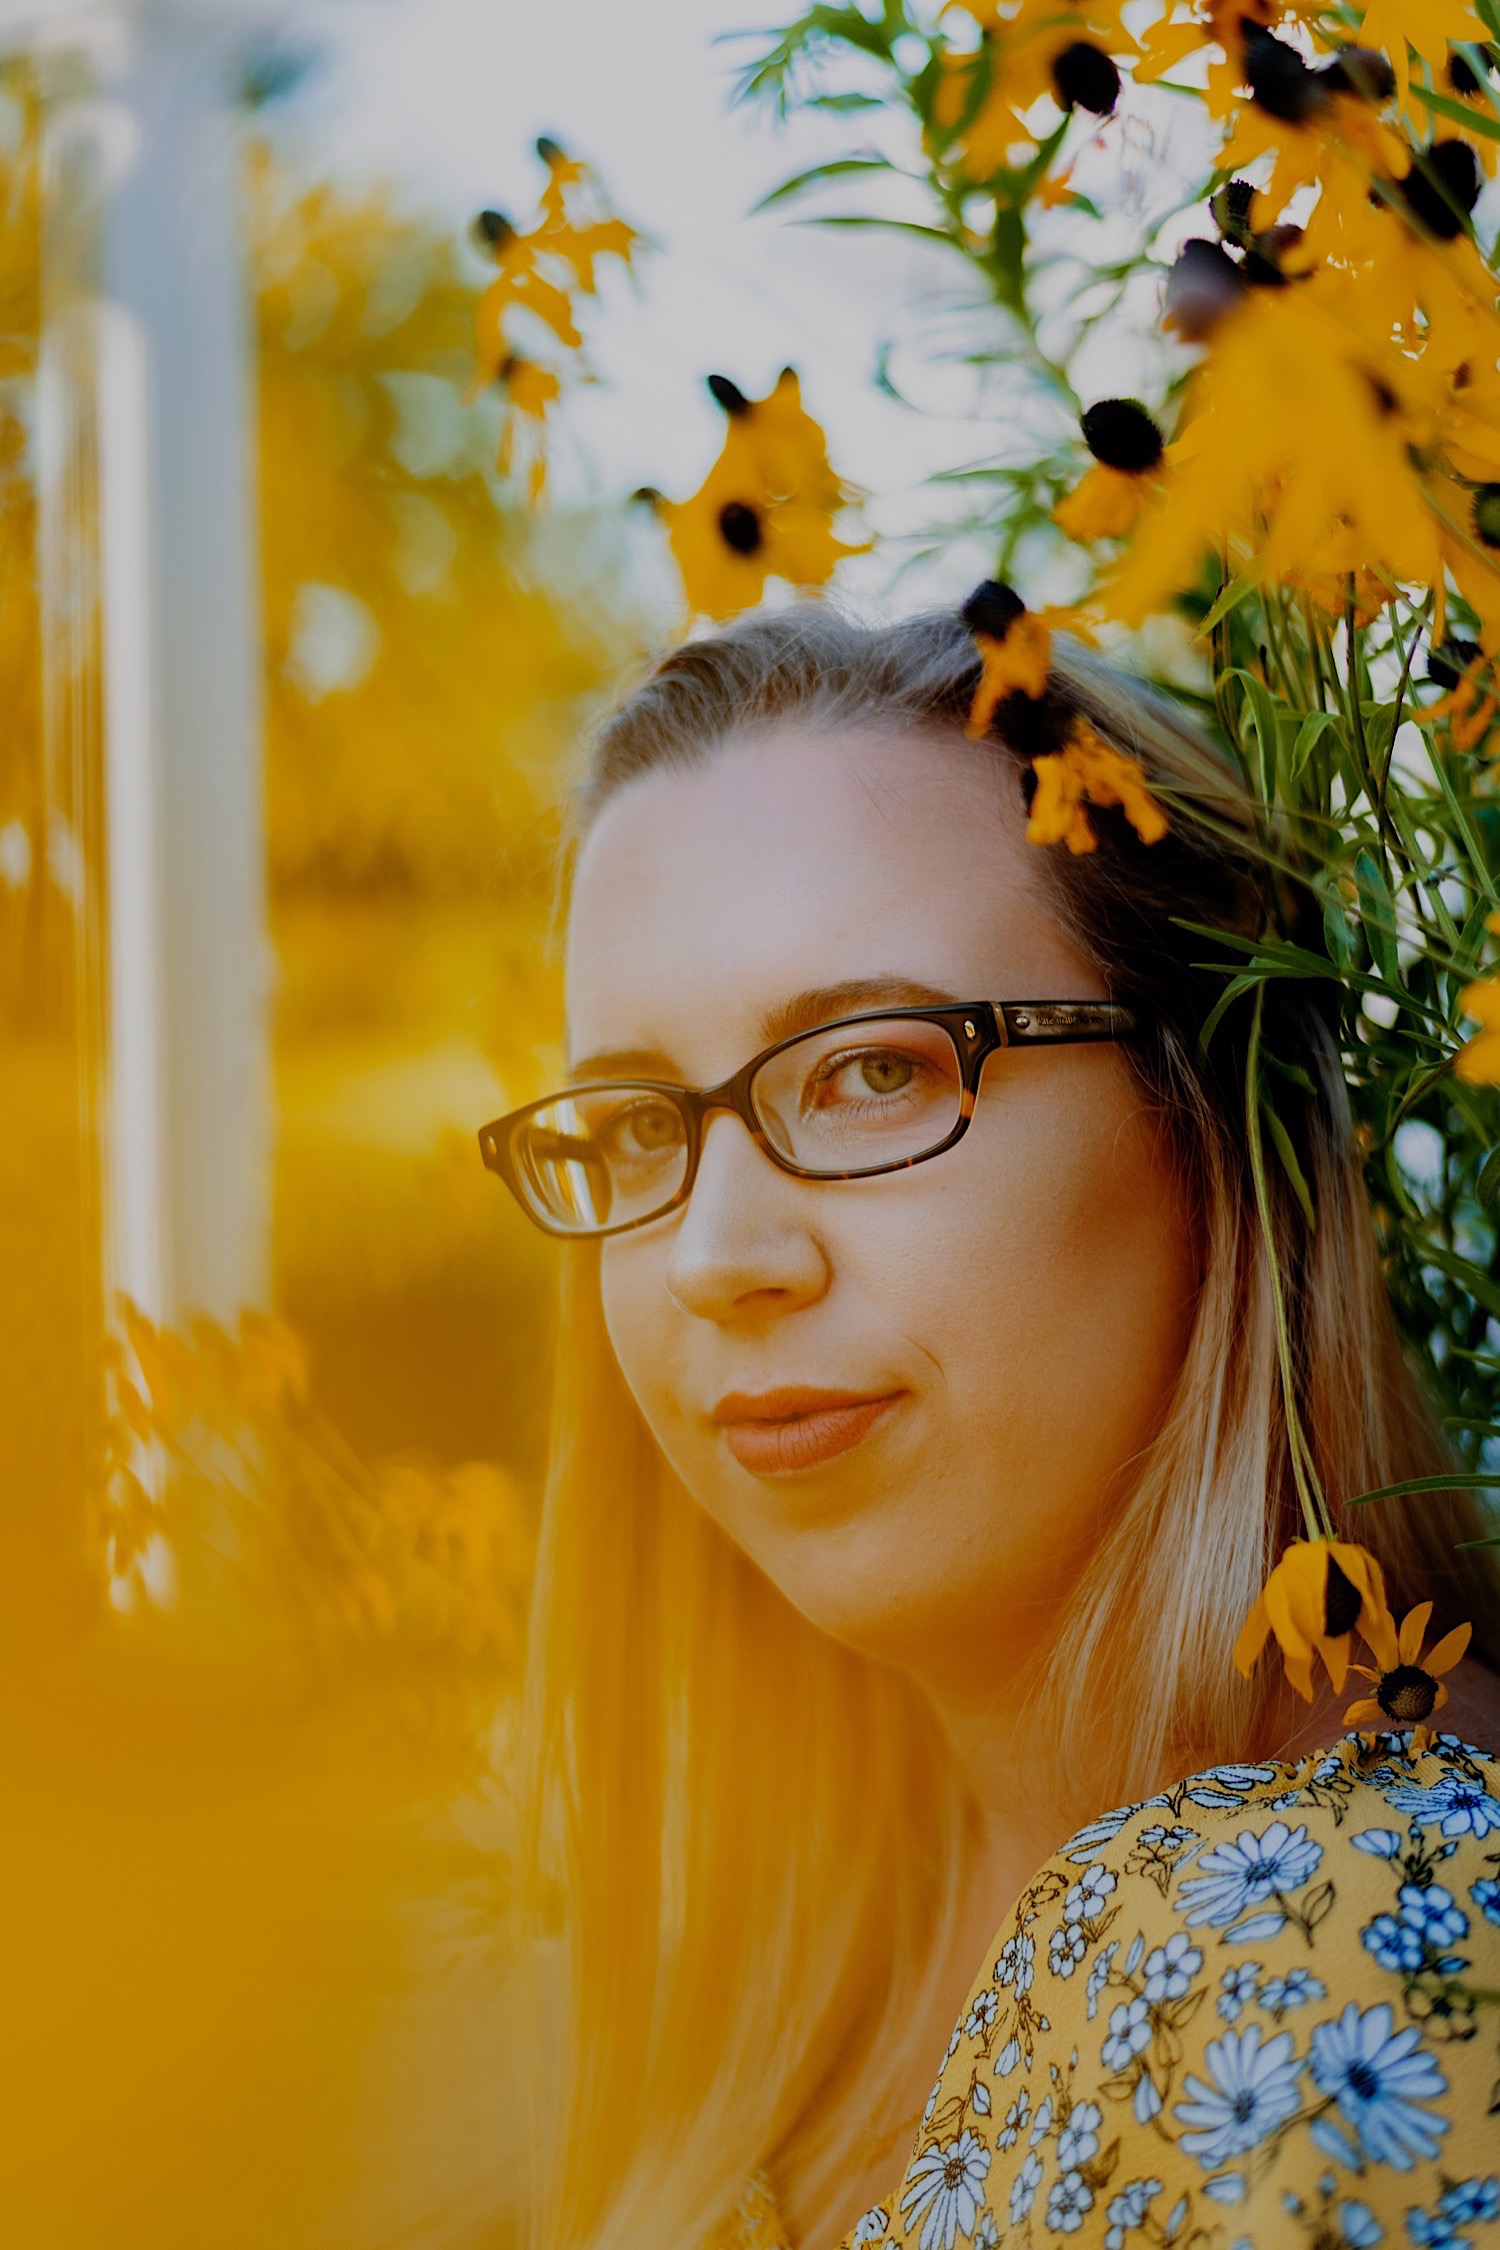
(531, 390)
(1318, 1592)
(1408, 1686)
(1015, 647)
(1087, 767)
(1430, 26)
(1064, 49)
(1478, 1060)
(765, 509)
(1127, 449)
(779, 444)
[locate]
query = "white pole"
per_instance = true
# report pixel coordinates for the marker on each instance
(187, 1167)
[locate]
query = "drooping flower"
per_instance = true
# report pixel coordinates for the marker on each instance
(765, 509)
(1408, 1686)
(1087, 769)
(1128, 451)
(1312, 1601)
(1015, 646)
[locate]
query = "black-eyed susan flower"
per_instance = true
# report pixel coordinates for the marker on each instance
(1409, 1685)
(765, 509)
(1127, 449)
(1312, 1601)
(1471, 702)
(1015, 648)
(1089, 770)
(1428, 25)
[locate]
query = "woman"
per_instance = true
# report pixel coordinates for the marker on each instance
(920, 1452)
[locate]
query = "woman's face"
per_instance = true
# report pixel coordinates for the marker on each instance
(995, 1332)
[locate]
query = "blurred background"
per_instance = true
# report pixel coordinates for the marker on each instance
(317, 552)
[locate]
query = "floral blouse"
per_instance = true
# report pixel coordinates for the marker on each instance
(1261, 2008)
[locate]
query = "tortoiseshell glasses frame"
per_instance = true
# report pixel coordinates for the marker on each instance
(576, 1159)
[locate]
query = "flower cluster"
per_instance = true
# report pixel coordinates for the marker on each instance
(539, 276)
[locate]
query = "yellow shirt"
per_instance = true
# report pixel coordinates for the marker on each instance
(1260, 2009)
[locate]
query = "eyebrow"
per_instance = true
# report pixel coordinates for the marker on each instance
(819, 1003)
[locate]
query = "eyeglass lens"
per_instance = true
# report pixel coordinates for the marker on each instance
(847, 1098)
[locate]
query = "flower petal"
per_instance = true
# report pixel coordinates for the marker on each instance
(1448, 1651)
(1413, 1626)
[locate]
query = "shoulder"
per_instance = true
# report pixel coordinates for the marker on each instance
(1250, 2008)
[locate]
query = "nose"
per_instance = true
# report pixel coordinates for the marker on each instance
(744, 1249)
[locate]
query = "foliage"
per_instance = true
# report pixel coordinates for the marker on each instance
(1310, 488)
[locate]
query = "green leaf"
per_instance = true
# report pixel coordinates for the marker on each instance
(1487, 1186)
(1231, 596)
(1309, 735)
(834, 169)
(1288, 1157)
(1472, 120)
(1461, 1480)
(1379, 915)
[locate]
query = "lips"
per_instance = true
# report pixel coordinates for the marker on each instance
(778, 1433)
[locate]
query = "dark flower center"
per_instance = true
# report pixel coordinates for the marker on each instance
(729, 395)
(1121, 434)
(1362, 71)
(1083, 77)
(1279, 80)
(1447, 665)
(1407, 1693)
(1462, 76)
(1442, 188)
(493, 229)
(1361, 2080)
(1486, 514)
(1203, 284)
(1034, 727)
(993, 608)
(740, 527)
(1342, 1602)
(1231, 209)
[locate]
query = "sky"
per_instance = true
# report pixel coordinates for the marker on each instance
(446, 97)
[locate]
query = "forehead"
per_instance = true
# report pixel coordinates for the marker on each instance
(704, 899)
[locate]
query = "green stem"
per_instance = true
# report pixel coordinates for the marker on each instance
(1310, 1493)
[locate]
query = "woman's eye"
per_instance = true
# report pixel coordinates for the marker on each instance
(646, 1129)
(876, 1075)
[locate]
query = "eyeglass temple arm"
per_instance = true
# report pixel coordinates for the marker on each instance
(1062, 1022)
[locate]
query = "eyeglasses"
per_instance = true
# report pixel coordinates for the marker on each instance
(868, 1093)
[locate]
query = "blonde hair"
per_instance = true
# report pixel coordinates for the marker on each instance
(750, 1834)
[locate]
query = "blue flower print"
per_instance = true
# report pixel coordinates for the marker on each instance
(1023, 2188)
(1226, 1784)
(871, 2227)
(1380, 1843)
(1237, 1989)
(1017, 1963)
(1066, 1949)
(1456, 1805)
(946, 2184)
(1469, 2201)
(1170, 1970)
(1379, 2078)
(1068, 2204)
(1359, 2226)
(1297, 1986)
(1078, 2142)
(1086, 1899)
(1098, 1976)
(1486, 1896)
(1017, 2118)
(981, 2017)
(1237, 1880)
(1129, 2034)
(1127, 2211)
(1226, 2187)
(1253, 2090)
(1413, 1938)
